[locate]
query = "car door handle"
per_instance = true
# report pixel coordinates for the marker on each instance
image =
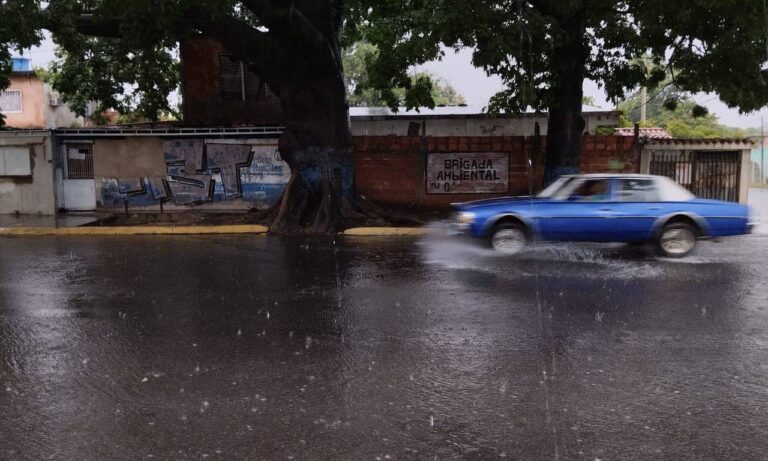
(654, 208)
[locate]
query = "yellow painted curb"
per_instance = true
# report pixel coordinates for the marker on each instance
(136, 230)
(386, 231)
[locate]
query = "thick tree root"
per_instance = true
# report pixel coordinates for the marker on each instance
(299, 212)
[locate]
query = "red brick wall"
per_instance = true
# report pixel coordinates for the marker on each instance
(391, 169)
(201, 88)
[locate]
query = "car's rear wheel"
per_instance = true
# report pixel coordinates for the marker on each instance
(677, 239)
(509, 238)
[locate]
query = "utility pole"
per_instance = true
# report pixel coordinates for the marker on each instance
(644, 94)
(762, 151)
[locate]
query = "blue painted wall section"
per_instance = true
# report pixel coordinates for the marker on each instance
(203, 172)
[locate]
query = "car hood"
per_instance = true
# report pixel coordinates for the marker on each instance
(491, 202)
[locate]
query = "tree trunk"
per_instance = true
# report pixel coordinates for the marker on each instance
(317, 145)
(566, 124)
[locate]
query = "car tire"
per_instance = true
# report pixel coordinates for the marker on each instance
(508, 238)
(676, 240)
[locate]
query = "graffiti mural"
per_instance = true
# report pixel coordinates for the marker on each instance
(200, 171)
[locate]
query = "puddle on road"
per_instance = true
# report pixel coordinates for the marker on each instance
(601, 261)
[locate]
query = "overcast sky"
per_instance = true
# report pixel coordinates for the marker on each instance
(477, 87)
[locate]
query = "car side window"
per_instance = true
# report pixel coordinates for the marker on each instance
(638, 190)
(592, 190)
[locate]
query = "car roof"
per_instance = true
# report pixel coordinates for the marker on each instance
(612, 175)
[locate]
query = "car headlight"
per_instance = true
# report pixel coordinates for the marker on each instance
(465, 217)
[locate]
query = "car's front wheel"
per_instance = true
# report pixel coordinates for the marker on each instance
(508, 238)
(677, 240)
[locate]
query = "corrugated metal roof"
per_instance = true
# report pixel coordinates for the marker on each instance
(445, 112)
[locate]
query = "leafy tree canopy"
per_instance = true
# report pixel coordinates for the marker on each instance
(676, 112)
(356, 58)
(714, 45)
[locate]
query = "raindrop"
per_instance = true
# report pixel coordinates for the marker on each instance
(431, 421)
(307, 343)
(239, 332)
(599, 316)
(268, 314)
(145, 380)
(85, 361)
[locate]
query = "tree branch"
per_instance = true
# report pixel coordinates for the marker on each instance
(260, 49)
(288, 24)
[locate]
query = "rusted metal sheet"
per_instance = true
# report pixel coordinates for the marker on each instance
(468, 173)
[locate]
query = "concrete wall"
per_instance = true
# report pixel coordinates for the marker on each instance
(59, 116)
(183, 174)
(35, 194)
(128, 157)
(474, 125)
(216, 174)
(32, 103)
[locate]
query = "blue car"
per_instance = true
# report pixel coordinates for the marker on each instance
(603, 208)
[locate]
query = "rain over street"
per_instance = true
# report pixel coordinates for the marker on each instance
(227, 347)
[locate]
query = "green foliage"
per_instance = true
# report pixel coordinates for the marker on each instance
(540, 47)
(20, 25)
(105, 71)
(359, 55)
(673, 110)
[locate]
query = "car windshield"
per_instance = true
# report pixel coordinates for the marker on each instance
(555, 187)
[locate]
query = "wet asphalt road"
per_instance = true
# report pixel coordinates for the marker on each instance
(234, 347)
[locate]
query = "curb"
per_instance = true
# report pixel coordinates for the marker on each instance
(385, 232)
(136, 230)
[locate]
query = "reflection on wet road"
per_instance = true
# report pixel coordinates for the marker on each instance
(267, 348)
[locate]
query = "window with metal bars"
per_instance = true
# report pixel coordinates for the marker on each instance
(10, 101)
(237, 82)
(79, 161)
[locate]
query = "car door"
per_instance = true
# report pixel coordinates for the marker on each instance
(636, 210)
(583, 213)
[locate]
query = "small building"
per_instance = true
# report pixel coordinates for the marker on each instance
(31, 104)
(710, 168)
(27, 184)
(462, 121)
(218, 90)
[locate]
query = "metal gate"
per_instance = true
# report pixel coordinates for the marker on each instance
(79, 187)
(710, 174)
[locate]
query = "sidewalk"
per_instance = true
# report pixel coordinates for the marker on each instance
(89, 224)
